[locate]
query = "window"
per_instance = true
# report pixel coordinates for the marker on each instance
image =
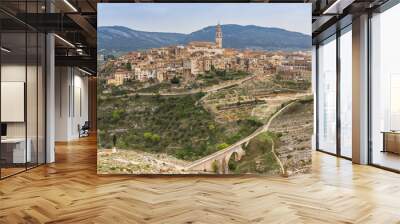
(327, 96)
(346, 92)
(385, 89)
(22, 77)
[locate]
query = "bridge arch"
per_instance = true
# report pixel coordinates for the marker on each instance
(235, 155)
(219, 161)
(231, 161)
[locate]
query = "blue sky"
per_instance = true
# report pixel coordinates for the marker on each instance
(189, 17)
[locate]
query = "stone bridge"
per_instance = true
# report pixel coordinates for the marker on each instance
(218, 161)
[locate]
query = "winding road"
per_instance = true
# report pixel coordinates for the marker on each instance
(233, 147)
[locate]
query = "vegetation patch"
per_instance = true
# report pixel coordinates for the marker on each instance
(175, 125)
(215, 77)
(259, 157)
(156, 88)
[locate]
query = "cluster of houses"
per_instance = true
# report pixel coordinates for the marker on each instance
(199, 57)
(187, 62)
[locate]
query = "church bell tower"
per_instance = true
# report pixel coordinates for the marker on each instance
(218, 36)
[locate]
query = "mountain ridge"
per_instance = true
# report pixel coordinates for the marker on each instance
(124, 39)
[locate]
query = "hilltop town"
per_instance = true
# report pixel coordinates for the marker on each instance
(185, 63)
(182, 104)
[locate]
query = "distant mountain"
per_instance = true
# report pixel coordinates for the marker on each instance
(254, 37)
(123, 39)
(119, 38)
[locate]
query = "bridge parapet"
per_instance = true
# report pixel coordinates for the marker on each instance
(219, 161)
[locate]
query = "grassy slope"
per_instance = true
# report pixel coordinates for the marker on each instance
(259, 157)
(174, 125)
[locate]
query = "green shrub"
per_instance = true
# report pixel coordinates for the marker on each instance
(150, 137)
(211, 127)
(147, 135)
(215, 166)
(222, 146)
(155, 138)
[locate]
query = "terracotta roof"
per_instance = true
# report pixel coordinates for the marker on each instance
(201, 44)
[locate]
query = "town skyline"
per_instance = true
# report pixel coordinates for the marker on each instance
(194, 58)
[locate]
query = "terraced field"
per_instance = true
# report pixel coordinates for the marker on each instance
(295, 128)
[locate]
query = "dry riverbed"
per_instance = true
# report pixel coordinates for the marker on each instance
(136, 162)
